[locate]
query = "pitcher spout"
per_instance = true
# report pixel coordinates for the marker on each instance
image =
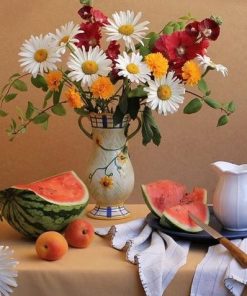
(227, 167)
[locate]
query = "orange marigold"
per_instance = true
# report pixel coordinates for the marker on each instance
(53, 80)
(191, 73)
(157, 63)
(74, 98)
(102, 88)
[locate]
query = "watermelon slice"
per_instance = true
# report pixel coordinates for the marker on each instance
(48, 204)
(169, 201)
(179, 216)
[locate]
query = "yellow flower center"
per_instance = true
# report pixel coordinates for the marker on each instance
(64, 40)
(89, 67)
(133, 68)
(126, 29)
(164, 92)
(41, 55)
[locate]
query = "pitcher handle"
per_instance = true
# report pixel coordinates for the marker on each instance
(136, 130)
(89, 135)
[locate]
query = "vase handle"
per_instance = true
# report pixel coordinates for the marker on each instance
(136, 130)
(89, 135)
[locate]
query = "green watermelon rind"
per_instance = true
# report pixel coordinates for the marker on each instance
(166, 218)
(149, 203)
(30, 214)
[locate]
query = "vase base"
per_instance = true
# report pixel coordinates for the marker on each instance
(109, 212)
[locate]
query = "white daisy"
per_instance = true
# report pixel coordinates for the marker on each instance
(124, 26)
(165, 94)
(87, 66)
(39, 55)
(66, 34)
(132, 67)
(206, 62)
(7, 271)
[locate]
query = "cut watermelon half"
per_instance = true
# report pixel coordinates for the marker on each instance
(44, 205)
(167, 193)
(63, 189)
(169, 201)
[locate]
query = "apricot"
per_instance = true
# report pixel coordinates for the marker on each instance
(79, 233)
(51, 245)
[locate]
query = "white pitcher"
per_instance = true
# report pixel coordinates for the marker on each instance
(230, 196)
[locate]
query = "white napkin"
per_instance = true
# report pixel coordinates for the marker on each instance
(220, 274)
(157, 255)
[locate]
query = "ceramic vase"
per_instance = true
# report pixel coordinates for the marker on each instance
(109, 173)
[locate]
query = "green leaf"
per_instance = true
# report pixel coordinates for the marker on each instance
(137, 92)
(181, 25)
(202, 86)
(29, 111)
(9, 97)
(118, 116)
(223, 120)
(44, 125)
(176, 27)
(13, 124)
(19, 85)
(150, 130)
(168, 30)
(47, 97)
(81, 111)
(39, 82)
(58, 109)
(57, 94)
(152, 39)
(193, 106)
(86, 2)
(41, 118)
(133, 107)
(231, 107)
(3, 113)
(212, 103)
(123, 103)
(144, 51)
(14, 76)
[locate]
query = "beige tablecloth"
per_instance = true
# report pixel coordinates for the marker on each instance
(97, 270)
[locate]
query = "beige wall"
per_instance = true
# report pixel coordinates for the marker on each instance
(190, 143)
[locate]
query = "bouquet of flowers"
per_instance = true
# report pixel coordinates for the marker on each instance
(137, 73)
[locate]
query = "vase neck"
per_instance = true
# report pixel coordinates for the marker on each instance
(105, 121)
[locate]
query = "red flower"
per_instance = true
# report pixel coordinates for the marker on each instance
(91, 35)
(85, 12)
(113, 50)
(99, 17)
(180, 47)
(193, 29)
(209, 29)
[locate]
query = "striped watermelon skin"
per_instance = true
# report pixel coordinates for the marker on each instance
(31, 215)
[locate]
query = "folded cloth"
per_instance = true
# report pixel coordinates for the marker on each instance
(157, 255)
(220, 274)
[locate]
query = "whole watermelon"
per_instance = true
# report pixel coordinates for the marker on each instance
(49, 204)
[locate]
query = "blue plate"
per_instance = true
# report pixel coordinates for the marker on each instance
(201, 236)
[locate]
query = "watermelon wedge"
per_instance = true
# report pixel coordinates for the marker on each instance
(169, 201)
(48, 204)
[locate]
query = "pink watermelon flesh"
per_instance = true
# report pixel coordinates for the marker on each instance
(65, 188)
(165, 194)
(179, 215)
(162, 194)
